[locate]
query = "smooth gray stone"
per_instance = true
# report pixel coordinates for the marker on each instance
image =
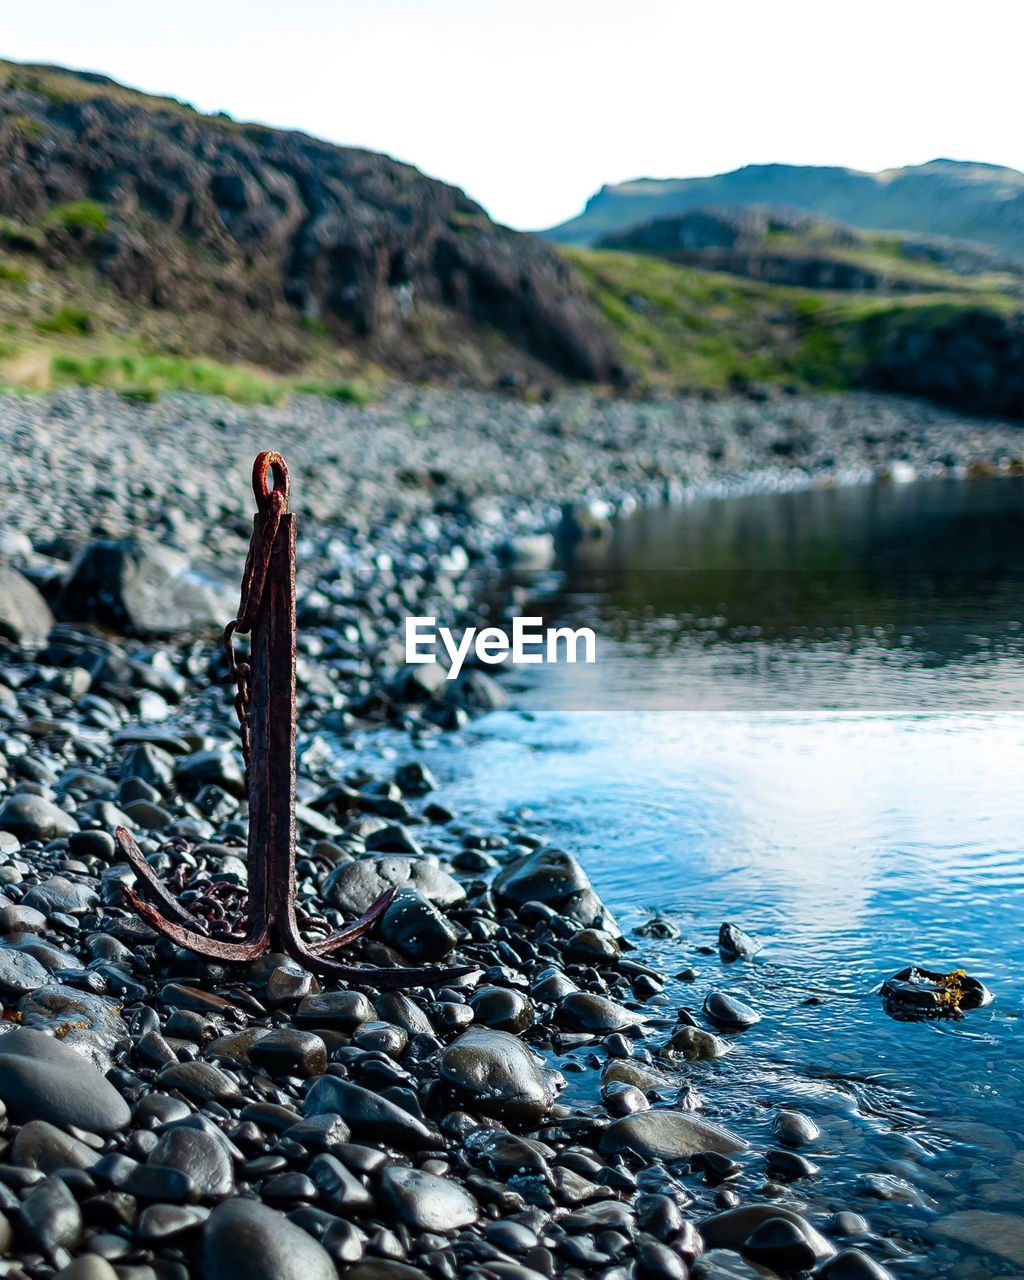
(200, 1156)
(498, 1075)
(669, 1135)
(366, 1113)
(729, 1012)
(51, 1217)
(199, 1081)
(41, 1078)
(354, 886)
(25, 617)
(584, 1011)
(794, 1128)
(20, 973)
(246, 1240)
(41, 1145)
(733, 1228)
(556, 879)
(425, 1202)
(31, 817)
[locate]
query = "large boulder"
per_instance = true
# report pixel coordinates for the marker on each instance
(143, 589)
(25, 616)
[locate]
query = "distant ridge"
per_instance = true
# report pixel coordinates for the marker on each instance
(965, 200)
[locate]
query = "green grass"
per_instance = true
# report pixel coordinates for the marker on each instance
(144, 378)
(681, 327)
(78, 215)
(684, 328)
(70, 320)
(345, 391)
(29, 127)
(21, 237)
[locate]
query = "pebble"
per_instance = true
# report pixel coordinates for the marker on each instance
(246, 1240)
(286, 1051)
(734, 944)
(694, 1045)
(20, 973)
(41, 1145)
(199, 1081)
(365, 1112)
(425, 1202)
(853, 1264)
(729, 1013)
(502, 1009)
(30, 817)
(201, 1157)
(669, 1135)
(497, 1075)
(794, 1128)
(556, 879)
(415, 927)
(583, 1011)
(41, 1078)
(334, 1010)
(735, 1227)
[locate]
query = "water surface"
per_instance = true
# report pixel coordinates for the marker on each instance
(807, 716)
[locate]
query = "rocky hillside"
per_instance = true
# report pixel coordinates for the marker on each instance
(784, 246)
(979, 202)
(272, 246)
(956, 339)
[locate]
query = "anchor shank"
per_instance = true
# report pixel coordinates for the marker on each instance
(272, 740)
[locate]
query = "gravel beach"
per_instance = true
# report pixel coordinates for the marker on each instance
(166, 1116)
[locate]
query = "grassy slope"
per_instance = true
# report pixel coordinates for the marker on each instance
(687, 329)
(68, 326)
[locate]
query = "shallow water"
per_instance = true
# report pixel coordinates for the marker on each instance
(807, 716)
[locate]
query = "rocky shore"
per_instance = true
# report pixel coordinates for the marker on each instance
(171, 1117)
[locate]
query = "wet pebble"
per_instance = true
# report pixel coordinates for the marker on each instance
(203, 1158)
(286, 1051)
(498, 1075)
(794, 1128)
(40, 1078)
(734, 944)
(246, 1240)
(583, 1011)
(31, 817)
(366, 1112)
(425, 1202)
(669, 1135)
(730, 1013)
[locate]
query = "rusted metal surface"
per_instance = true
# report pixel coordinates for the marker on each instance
(241, 927)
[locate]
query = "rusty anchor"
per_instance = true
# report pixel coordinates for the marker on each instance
(265, 704)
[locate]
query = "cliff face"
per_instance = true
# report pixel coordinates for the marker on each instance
(187, 211)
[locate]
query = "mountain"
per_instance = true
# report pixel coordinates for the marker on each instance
(135, 223)
(966, 201)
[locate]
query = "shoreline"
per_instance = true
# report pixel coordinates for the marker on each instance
(489, 1174)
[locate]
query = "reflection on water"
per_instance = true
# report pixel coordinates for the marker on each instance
(807, 717)
(827, 598)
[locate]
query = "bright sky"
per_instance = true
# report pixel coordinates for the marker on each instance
(530, 105)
